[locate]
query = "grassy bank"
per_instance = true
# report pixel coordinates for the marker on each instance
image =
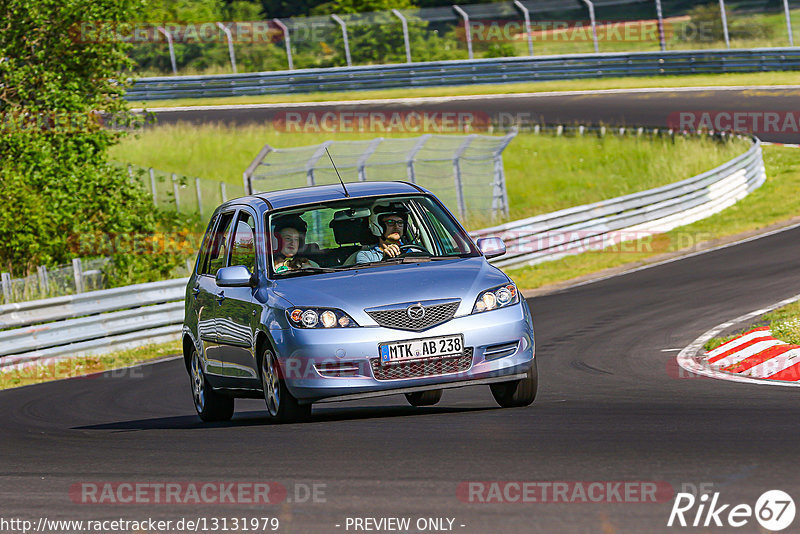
(777, 200)
(544, 173)
(698, 80)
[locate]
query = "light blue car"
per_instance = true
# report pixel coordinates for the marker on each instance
(324, 294)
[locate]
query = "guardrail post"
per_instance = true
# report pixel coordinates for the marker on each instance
(467, 29)
(412, 155)
(592, 19)
(341, 23)
(77, 273)
(229, 38)
(44, 280)
(660, 15)
(362, 161)
(5, 278)
(223, 192)
(724, 17)
(404, 22)
(175, 193)
(199, 196)
(171, 50)
(526, 14)
(287, 41)
(153, 185)
(462, 206)
(788, 22)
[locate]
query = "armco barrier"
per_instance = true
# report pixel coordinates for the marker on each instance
(152, 313)
(496, 70)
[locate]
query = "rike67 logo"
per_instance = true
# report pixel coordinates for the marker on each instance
(774, 510)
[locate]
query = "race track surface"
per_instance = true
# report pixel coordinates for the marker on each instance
(612, 406)
(632, 108)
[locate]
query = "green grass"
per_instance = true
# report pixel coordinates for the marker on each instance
(698, 80)
(777, 200)
(544, 173)
(784, 323)
(85, 365)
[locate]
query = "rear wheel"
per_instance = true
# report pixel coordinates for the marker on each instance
(517, 393)
(424, 398)
(210, 405)
(281, 405)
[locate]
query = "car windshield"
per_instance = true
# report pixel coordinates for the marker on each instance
(363, 232)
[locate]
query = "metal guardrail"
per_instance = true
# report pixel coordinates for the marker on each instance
(152, 313)
(602, 224)
(497, 70)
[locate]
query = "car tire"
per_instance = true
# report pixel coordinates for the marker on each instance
(517, 393)
(424, 398)
(210, 405)
(282, 407)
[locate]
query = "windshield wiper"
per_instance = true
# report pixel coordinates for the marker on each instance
(310, 270)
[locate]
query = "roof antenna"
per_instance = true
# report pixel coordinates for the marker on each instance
(346, 194)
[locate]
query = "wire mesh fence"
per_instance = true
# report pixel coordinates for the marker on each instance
(76, 277)
(487, 30)
(465, 172)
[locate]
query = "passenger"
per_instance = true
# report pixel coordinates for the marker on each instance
(388, 223)
(290, 233)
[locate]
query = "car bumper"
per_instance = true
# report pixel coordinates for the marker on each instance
(320, 364)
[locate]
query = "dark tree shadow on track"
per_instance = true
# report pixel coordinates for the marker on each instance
(258, 418)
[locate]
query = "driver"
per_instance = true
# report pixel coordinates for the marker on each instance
(388, 222)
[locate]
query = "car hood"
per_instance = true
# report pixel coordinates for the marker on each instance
(355, 290)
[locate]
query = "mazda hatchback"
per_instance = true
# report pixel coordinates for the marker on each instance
(325, 294)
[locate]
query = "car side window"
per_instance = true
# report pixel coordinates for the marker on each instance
(203, 256)
(218, 252)
(243, 250)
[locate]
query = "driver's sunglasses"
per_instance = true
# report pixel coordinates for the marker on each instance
(394, 222)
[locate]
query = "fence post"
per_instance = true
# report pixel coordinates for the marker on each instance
(77, 272)
(362, 160)
(404, 22)
(130, 172)
(251, 169)
(153, 186)
(462, 206)
(467, 28)
(788, 22)
(410, 158)
(592, 19)
(341, 23)
(175, 192)
(223, 192)
(171, 49)
(229, 38)
(724, 23)
(44, 281)
(500, 196)
(660, 15)
(287, 41)
(312, 162)
(6, 280)
(199, 196)
(526, 14)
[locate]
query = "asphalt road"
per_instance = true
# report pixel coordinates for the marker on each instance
(658, 109)
(612, 407)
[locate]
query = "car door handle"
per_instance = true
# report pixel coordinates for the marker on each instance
(220, 296)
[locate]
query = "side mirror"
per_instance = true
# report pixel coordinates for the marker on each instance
(491, 247)
(235, 276)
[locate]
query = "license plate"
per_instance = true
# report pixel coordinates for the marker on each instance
(432, 347)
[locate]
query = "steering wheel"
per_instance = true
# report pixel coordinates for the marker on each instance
(413, 250)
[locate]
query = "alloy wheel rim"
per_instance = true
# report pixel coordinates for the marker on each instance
(198, 384)
(269, 380)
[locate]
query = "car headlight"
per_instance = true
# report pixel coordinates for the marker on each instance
(498, 297)
(319, 318)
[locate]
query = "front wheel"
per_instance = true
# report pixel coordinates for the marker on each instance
(281, 405)
(424, 398)
(517, 393)
(210, 405)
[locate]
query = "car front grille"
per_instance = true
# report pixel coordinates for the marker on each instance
(422, 368)
(398, 318)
